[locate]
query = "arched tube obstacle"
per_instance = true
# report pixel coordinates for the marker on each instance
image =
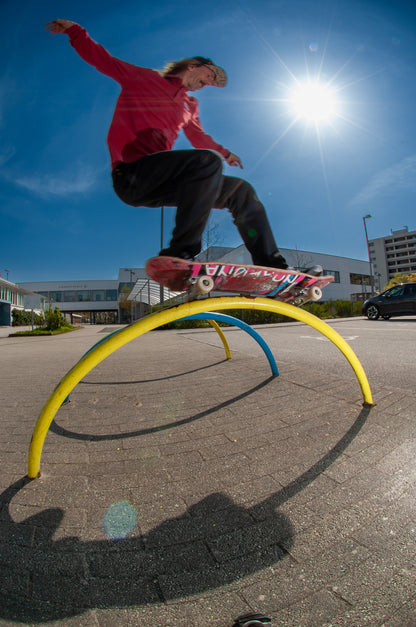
(142, 326)
(212, 323)
(214, 316)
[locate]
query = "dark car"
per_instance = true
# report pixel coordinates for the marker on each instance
(399, 300)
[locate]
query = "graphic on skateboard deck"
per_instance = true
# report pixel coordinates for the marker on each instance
(199, 278)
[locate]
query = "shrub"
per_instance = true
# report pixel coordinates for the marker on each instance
(400, 278)
(54, 319)
(24, 318)
(324, 310)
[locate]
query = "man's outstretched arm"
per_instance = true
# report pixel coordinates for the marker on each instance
(58, 26)
(92, 52)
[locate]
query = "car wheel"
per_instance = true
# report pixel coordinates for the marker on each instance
(373, 312)
(386, 317)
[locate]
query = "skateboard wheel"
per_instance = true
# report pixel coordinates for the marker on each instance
(315, 293)
(204, 284)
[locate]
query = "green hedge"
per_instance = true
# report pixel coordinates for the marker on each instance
(335, 309)
(24, 318)
(325, 310)
(52, 321)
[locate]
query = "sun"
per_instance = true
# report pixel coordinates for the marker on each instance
(313, 101)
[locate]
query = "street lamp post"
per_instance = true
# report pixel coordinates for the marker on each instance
(368, 252)
(162, 212)
(132, 273)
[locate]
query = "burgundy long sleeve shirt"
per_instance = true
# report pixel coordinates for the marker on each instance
(150, 110)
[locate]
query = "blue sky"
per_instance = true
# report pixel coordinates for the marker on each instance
(59, 216)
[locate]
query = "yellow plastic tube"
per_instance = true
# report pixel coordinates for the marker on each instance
(222, 336)
(142, 326)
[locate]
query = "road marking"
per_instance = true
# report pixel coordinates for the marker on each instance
(347, 338)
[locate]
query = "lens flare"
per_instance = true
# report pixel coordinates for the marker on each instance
(120, 519)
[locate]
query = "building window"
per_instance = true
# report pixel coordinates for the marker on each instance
(70, 297)
(98, 295)
(359, 279)
(111, 294)
(333, 273)
(53, 297)
(83, 296)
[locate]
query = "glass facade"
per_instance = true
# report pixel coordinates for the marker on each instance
(80, 296)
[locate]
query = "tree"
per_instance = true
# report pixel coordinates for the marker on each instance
(125, 304)
(212, 237)
(54, 319)
(300, 261)
(400, 278)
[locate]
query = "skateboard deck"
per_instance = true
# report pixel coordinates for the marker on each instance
(199, 278)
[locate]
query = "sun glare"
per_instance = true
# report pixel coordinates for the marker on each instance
(313, 101)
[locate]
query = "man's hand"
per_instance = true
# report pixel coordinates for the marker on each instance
(58, 26)
(232, 159)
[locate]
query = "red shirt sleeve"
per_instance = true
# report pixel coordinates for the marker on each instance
(97, 56)
(196, 134)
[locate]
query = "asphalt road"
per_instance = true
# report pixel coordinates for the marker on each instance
(385, 348)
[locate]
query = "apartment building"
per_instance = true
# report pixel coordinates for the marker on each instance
(392, 254)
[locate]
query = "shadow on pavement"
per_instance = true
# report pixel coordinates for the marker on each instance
(58, 430)
(214, 543)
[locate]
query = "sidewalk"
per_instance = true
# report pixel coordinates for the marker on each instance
(179, 489)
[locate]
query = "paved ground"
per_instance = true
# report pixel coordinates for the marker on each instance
(233, 491)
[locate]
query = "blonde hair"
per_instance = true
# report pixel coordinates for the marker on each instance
(176, 67)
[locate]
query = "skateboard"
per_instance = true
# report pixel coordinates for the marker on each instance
(199, 278)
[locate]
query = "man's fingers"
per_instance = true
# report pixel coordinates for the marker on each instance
(58, 26)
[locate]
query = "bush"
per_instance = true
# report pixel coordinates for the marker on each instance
(320, 310)
(325, 310)
(22, 318)
(335, 309)
(54, 319)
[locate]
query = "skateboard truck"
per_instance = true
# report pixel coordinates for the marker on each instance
(251, 620)
(313, 293)
(200, 286)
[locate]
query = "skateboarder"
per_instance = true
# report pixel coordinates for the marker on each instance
(152, 108)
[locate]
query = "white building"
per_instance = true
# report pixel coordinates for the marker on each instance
(109, 301)
(101, 301)
(393, 254)
(14, 297)
(352, 277)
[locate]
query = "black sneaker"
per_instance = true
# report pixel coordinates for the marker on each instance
(251, 620)
(277, 261)
(315, 270)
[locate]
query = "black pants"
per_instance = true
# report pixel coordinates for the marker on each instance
(192, 181)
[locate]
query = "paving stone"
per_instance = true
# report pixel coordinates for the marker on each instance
(280, 495)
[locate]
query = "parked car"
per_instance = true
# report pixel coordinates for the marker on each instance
(399, 300)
